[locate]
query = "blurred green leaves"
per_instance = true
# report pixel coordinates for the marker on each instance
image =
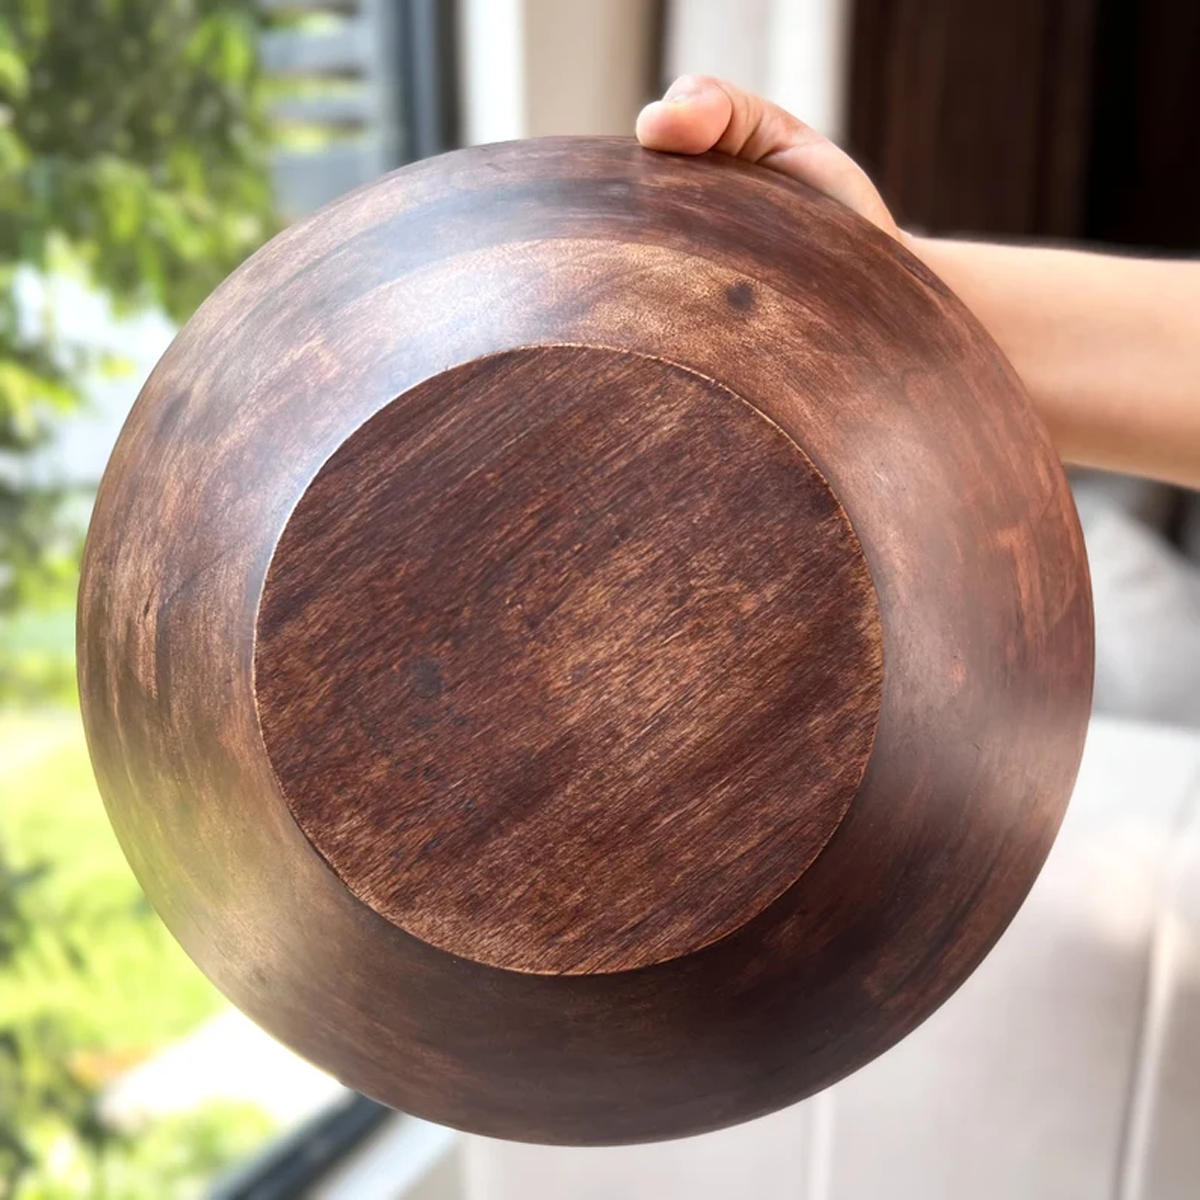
(91, 983)
(134, 157)
(142, 142)
(134, 154)
(176, 1158)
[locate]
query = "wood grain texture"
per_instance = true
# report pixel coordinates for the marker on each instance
(836, 336)
(575, 608)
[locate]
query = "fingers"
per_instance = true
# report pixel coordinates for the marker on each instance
(691, 118)
(699, 113)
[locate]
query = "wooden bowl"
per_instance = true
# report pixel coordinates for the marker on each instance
(585, 645)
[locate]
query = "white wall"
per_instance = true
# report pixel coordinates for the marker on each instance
(791, 51)
(492, 69)
(537, 67)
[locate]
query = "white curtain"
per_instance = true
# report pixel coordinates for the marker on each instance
(791, 51)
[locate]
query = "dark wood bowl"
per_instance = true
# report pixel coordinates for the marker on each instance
(585, 645)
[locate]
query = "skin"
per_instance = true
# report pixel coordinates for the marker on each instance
(1108, 346)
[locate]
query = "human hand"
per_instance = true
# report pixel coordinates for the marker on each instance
(1108, 346)
(699, 113)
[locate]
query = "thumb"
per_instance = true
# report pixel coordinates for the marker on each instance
(700, 113)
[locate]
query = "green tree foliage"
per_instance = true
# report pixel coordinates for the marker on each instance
(91, 984)
(38, 1088)
(134, 154)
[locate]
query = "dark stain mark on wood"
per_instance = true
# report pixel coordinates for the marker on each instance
(426, 677)
(740, 295)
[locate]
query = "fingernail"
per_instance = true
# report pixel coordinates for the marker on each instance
(680, 92)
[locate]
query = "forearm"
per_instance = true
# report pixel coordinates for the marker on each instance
(1108, 347)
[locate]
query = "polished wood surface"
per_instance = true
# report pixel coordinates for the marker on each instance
(589, 611)
(585, 645)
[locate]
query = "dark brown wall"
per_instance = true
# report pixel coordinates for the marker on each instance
(1144, 182)
(1047, 118)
